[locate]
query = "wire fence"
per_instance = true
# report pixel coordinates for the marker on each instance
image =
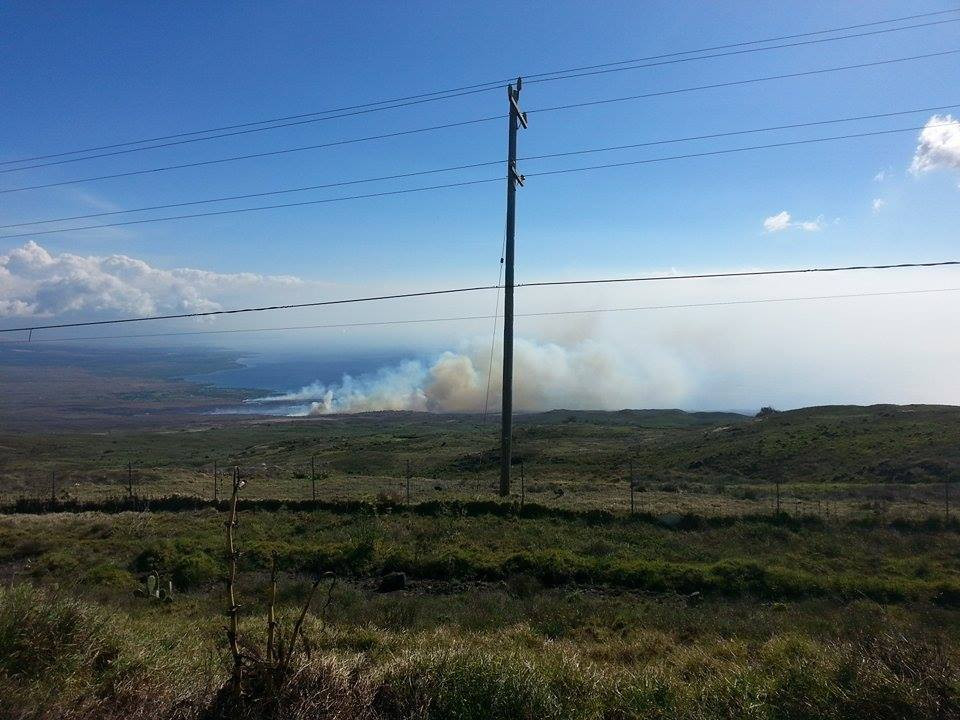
(647, 494)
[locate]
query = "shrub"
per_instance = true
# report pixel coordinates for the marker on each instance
(193, 570)
(110, 576)
(187, 568)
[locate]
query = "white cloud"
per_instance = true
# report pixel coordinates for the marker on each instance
(778, 222)
(784, 221)
(939, 145)
(35, 282)
(878, 204)
(880, 176)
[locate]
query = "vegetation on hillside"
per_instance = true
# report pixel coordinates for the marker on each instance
(704, 603)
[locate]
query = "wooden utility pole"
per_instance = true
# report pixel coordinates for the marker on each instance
(517, 118)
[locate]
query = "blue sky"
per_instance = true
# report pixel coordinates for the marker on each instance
(94, 73)
(98, 72)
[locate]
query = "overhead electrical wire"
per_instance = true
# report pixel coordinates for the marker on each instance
(533, 76)
(571, 76)
(418, 321)
(464, 183)
(569, 106)
(451, 291)
(400, 102)
(267, 153)
(416, 102)
(468, 166)
(732, 83)
(493, 333)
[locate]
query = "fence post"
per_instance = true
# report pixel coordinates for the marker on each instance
(408, 482)
(479, 469)
(946, 499)
(778, 499)
(522, 485)
(313, 479)
(129, 478)
(53, 487)
(216, 494)
(632, 487)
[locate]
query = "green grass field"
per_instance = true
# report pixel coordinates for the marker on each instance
(702, 603)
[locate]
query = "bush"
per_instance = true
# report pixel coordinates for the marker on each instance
(194, 570)
(110, 576)
(187, 568)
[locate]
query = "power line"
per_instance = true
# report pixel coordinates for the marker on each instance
(261, 207)
(714, 86)
(388, 104)
(397, 176)
(417, 321)
(496, 317)
(740, 52)
(570, 106)
(711, 153)
(232, 134)
(386, 193)
(425, 293)
(534, 77)
(268, 153)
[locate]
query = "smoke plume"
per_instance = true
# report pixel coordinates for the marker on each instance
(588, 374)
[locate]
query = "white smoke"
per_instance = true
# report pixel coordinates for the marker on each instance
(588, 374)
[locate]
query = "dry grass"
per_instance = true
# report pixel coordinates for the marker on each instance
(60, 658)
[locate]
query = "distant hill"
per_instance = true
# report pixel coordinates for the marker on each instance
(639, 418)
(833, 443)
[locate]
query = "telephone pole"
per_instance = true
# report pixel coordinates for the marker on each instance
(517, 118)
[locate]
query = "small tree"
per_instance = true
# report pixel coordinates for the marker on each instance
(257, 673)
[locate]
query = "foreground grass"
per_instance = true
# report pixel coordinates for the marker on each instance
(762, 558)
(67, 658)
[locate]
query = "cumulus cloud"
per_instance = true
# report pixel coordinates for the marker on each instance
(938, 145)
(36, 282)
(878, 204)
(778, 222)
(784, 221)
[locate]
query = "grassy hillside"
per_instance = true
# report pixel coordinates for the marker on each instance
(702, 603)
(852, 456)
(500, 618)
